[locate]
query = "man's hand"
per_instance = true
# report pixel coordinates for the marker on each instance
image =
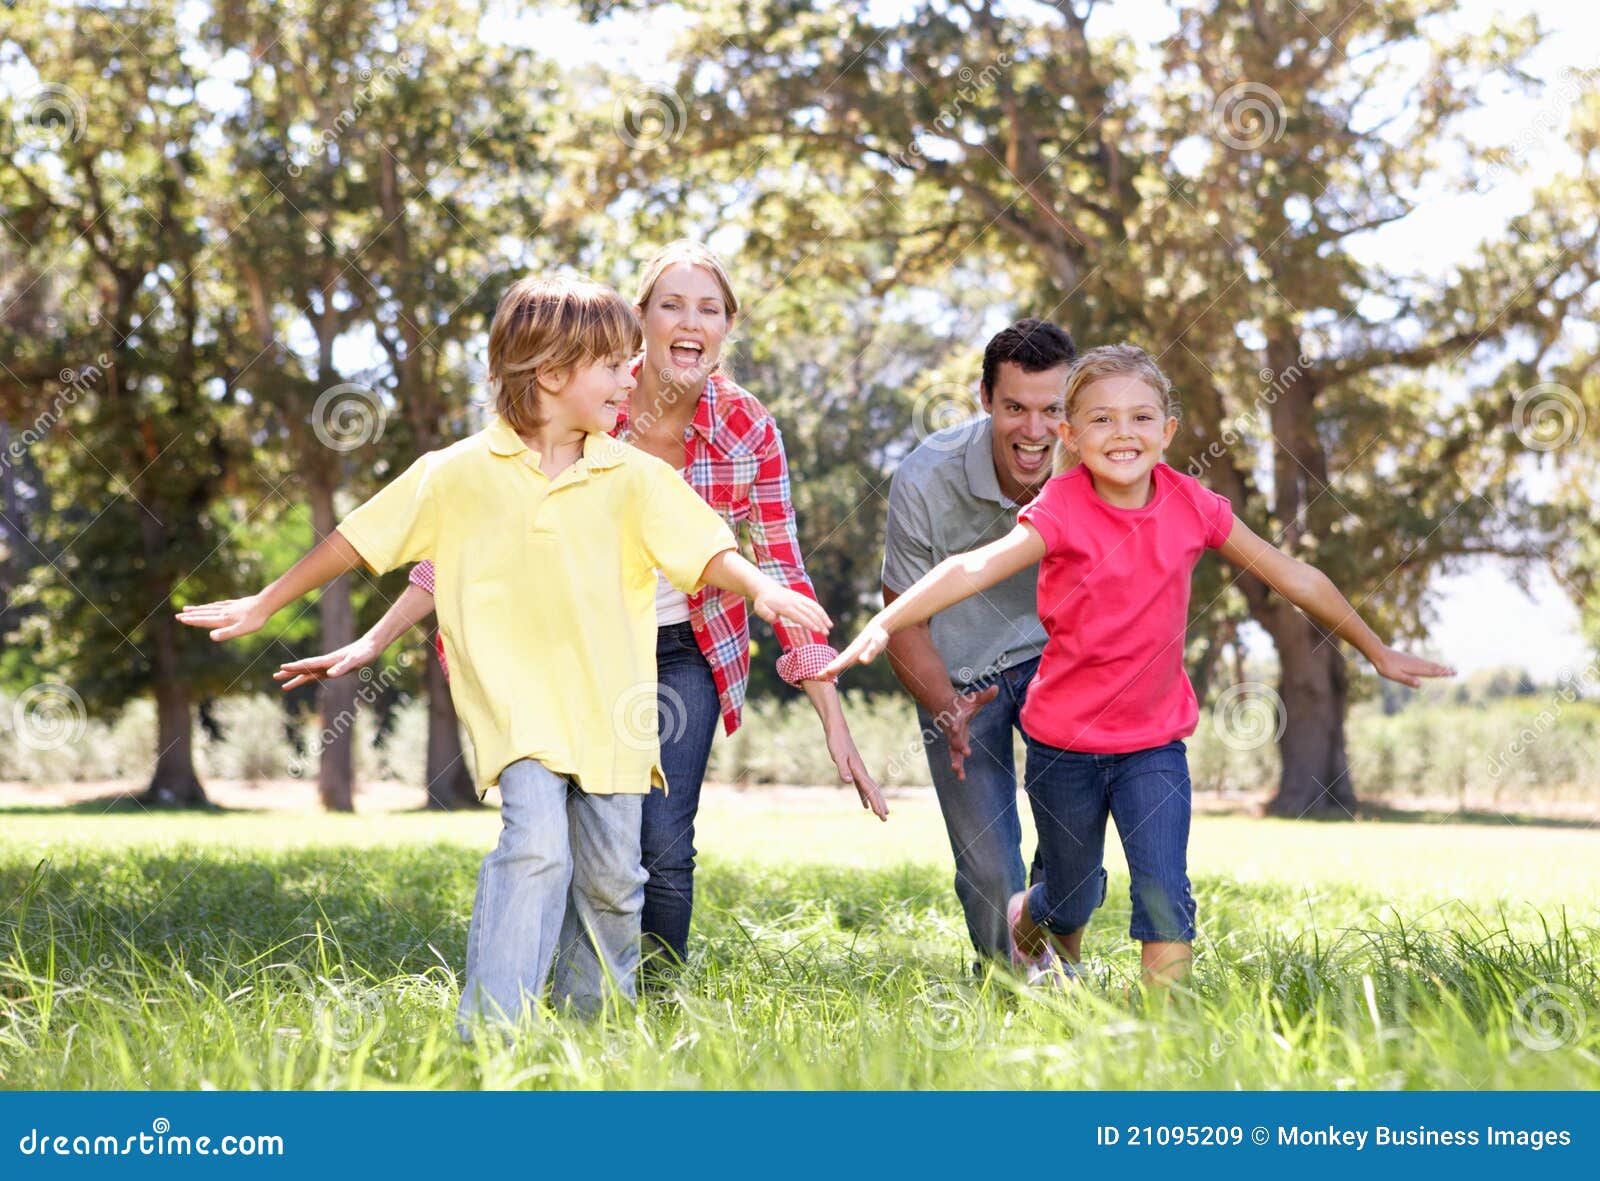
(955, 720)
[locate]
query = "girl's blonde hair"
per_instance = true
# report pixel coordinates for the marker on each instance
(550, 325)
(695, 254)
(1109, 360)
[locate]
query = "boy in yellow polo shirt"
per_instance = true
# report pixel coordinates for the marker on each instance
(550, 637)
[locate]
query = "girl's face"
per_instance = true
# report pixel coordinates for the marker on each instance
(685, 324)
(1119, 428)
(589, 397)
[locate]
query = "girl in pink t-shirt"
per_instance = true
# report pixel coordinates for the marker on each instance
(1117, 534)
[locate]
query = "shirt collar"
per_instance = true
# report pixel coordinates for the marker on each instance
(599, 451)
(978, 458)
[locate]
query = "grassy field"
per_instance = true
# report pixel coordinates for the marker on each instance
(312, 951)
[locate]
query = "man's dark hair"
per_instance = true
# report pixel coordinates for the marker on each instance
(1033, 345)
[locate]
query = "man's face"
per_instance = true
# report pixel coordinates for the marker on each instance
(1026, 409)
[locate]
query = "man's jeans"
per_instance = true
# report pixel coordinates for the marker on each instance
(980, 812)
(562, 889)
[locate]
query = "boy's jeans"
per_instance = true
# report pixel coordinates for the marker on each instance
(980, 811)
(562, 889)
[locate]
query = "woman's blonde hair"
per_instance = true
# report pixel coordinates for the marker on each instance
(550, 325)
(695, 254)
(1109, 360)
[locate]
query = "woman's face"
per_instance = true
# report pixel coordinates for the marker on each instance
(684, 326)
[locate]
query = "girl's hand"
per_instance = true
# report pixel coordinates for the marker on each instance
(874, 638)
(792, 607)
(1407, 669)
(853, 769)
(228, 619)
(329, 665)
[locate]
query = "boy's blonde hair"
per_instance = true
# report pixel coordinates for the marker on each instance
(550, 325)
(1109, 360)
(696, 254)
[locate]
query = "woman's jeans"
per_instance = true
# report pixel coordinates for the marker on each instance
(1147, 793)
(687, 710)
(561, 891)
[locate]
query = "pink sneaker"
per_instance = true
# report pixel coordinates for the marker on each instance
(1042, 962)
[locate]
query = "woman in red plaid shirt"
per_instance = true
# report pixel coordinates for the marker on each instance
(727, 446)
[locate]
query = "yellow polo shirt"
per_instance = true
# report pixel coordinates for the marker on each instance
(545, 592)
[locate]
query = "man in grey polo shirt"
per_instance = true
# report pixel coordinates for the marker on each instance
(969, 666)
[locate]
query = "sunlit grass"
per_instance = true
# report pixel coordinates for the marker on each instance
(323, 952)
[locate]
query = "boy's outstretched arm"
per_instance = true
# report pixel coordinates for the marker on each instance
(1314, 593)
(412, 607)
(958, 577)
(230, 618)
(770, 599)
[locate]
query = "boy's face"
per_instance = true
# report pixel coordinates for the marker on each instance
(685, 325)
(1119, 428)
(1025, 409)
(592, 395)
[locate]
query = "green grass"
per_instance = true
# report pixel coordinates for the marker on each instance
(282, 951)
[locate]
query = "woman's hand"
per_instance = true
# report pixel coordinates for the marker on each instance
(1399, 666)
(853, 769)
(796, 609)
(874, 638)
(329, 665)
(228, 619)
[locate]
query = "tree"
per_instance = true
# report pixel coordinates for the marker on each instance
(126, 395)
(1211, 206)
(384, 157)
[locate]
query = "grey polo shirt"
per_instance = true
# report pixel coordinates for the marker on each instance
(945, 499)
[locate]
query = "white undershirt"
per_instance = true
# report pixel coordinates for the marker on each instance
(672, 605)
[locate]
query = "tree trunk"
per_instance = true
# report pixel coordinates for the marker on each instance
(173, 783)
(450, 783)
(336, 699)
(1314, 686)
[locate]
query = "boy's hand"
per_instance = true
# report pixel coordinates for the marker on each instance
(793, 608)
(1407, 669)
(874, 638)
(337, 663)
(228, 619)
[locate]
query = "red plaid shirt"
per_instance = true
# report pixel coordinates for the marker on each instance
(736, 464)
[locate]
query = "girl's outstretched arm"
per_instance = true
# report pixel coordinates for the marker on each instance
(228, 619)
(958, 577)
(1314, 593)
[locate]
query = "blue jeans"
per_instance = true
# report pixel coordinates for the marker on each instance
(687, 711)
(561, 891)
(980, 812)
(1147, 793)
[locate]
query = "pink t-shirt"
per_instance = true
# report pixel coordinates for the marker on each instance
(1114, 599)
